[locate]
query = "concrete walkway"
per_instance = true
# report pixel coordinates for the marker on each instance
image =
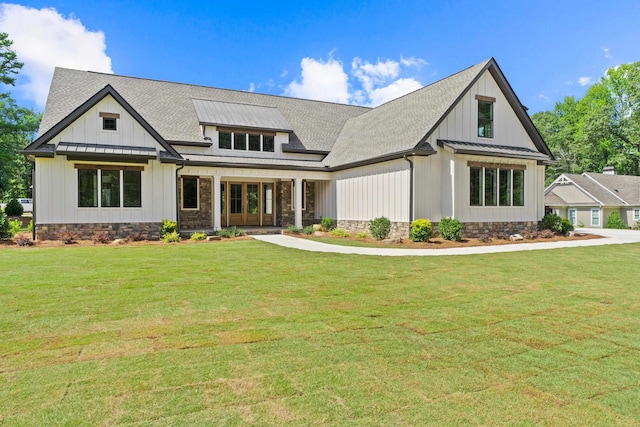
(611, 237)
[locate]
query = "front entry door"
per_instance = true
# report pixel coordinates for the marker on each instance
(244, 203)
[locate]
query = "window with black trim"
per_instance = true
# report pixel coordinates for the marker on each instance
(120, 186)
(485, 116)
(496, 185)
(246, 141)
(189, 192)
(109, 121)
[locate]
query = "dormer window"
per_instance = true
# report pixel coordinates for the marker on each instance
(485, 116)
(109, 121)
(246, 140)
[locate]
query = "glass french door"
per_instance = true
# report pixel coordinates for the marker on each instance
(248, 203)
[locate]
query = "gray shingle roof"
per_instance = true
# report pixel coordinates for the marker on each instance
(169, 109)
(401, 124)
(624, 186)
(595, 190)
(240, 115)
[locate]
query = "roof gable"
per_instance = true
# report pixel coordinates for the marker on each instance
(589, 185)
(39, 145)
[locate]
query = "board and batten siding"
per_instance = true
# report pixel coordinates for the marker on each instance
(368, 192)
(56, 186)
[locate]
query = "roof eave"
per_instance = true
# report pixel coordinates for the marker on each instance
(384, 158)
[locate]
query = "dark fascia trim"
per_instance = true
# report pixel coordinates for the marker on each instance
(513, 100)
(254, 166)
(303, 151)
(385, 158)
(108, 157)
(48, 153)
(88, 104)
(122, 147)
(191, 143)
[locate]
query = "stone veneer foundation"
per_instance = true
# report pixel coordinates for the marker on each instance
(285, 215)
(148, 230)
(400, 230)
(198, 219)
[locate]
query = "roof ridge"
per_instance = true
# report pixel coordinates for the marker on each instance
(215, 87)
(587, 175)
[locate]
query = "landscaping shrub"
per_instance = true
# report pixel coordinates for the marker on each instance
(4, 226)
(236, 232)
(546, 234)
(198, 236)
(550, 222)
(484, 238)
(327, 224)
(450, 228)
(224, 233)
(171, 237)
(100, 238)
(380, 228)
(14, 227)
(565, 226)
(362, 235)
(339, 232)
(168, 227)
(13, 208)
(68, 237)
(135, 236)
(23, 241)
(308, 230)
(614, 221)
(420, 230)
(636, 226)
(294, 230)
(30, 226)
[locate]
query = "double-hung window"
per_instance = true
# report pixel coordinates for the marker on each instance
(573, 216)
(109, 186)
(636, 214)
(595, 217)
(485, 116)
(496, 184)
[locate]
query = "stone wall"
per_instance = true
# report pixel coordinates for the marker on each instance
(285, 215)
(399, 230)
(198, 219)
(149, 230)
(475, 229)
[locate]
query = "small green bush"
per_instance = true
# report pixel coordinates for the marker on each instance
(168, 227)
(420, 230)
(339, 232)
(614, 221)
(380, 228)
(13, 208)
(636, 226)
(294, 230)
(225, 233)
(565, 226)
(308, 230)
(30, 227)
(236, 232)
(450, 229)
(4, 225)
(198, 236)
(14, 227)
(327, 224)
(550, 222)
(171, 237)
(362, 235)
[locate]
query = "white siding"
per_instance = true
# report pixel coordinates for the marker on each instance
(326, 199)
(56, 186)
(372, 191)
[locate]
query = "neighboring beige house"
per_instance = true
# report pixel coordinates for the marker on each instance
(587, 200)
(120, 154)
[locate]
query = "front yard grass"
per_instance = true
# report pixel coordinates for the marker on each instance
(248, 333)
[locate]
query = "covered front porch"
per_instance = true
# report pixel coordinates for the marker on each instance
(208, 201)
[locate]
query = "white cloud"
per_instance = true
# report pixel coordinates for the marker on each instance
(252, 87)
(585, 81)
(44, 39)
(369, 83)
(323, 81)
(607, 53)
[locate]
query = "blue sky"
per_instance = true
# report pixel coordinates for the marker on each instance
(357, 52)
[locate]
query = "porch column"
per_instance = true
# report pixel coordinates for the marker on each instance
(216, 203)
(298, 198)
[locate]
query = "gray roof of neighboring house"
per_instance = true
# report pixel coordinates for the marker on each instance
(610, 190)
(240, 115)
(169, 108)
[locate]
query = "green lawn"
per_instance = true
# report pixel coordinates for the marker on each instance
(244, 333)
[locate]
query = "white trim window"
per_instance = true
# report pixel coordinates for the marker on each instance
(496, 185)
(595, 217)
(636, 214)
(304, 195)
(573, 216)
(190, 193)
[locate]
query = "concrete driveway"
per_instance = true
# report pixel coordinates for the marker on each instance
(611, 237)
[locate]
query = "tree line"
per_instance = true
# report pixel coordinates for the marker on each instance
(601, 129)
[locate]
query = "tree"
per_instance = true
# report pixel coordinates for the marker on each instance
(601, 129)
(18, 126)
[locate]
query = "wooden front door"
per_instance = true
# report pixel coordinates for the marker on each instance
(247, 204)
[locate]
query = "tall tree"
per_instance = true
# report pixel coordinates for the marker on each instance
(18, 126)
(601, 129)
